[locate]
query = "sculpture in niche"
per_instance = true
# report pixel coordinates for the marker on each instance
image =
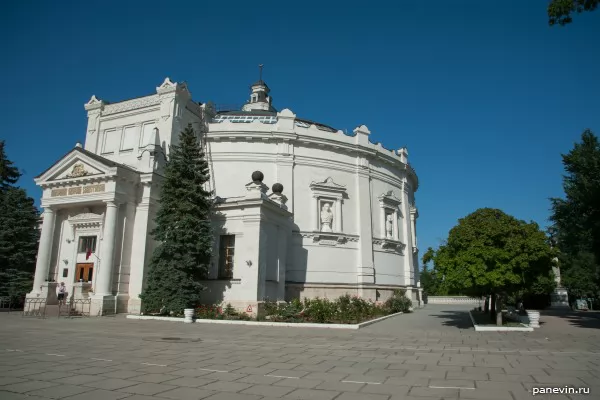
(389, 226)
(326, 218)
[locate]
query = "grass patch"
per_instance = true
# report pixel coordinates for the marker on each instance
(483, 319)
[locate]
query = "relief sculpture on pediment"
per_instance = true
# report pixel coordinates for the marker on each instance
(78, 170)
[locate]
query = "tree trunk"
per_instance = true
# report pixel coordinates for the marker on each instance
(493, 306)
(486, 304)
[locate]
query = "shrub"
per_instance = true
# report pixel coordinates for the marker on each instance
(398, 302)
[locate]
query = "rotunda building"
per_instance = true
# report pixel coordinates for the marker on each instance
(301, 209)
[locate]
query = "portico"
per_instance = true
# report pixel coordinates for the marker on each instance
(88, 222)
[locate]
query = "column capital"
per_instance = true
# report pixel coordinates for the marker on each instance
(111, 203)
(49, 209)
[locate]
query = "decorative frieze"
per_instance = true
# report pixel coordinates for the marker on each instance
(129, 105)
(77, 190)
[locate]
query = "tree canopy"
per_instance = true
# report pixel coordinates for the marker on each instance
(560, 11)
(492, 252)
(576, 218)
(183, 231)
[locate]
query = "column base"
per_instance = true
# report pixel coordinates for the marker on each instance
(102, 305)
(560, 298)
(47, 292)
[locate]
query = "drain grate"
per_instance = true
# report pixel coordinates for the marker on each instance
(173, 340)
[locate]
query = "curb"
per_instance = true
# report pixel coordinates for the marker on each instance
(479, 328)
(275, 324)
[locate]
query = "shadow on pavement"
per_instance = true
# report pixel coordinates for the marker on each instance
(582, 319)
(457, 319)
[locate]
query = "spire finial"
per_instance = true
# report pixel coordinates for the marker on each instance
(260, 67)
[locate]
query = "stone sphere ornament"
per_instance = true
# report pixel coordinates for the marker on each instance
(257, 176)
(277, 188)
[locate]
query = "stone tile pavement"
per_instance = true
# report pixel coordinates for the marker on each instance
(431, 354)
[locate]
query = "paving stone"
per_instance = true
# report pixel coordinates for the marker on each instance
(310, 394)
(386, 372)
(365, 378)
(558, 380)
(407, 381)
(9, 380)
(361, 396)
(190, 381)
(259, 379)
(152, 378)
(419, 391)
(255, 370)
(28, 386)
(340, 386)
(288, 373)
(510, 378)
(267, 390)
(186, 393)
(191, 372)
(140, 397)
(223, 386)
(233, 396)
(79, 379)
(18, 396)
(224, 376)
(122, 374)
(319, 368)
(22, 372)
(60, 391)
(386, 389)
(325, 376)
(298, 383)
(111, 384)
(486, 394)
(455, 383)
(148, 389)
(98, 394)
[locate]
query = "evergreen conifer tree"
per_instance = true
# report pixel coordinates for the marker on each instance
(183, 231)
(18, 232)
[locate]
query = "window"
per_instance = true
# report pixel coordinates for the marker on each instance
(129, 138)
(226, 253)
(87, 243)
(110, 141)
(84, 272)
(65, 272)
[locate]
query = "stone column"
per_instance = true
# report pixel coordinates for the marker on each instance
(395, 234)
(44, 250)
(338, 215)
(366, 272)
(316, 214)
(282, 236)
(138, 254)
(107, 251)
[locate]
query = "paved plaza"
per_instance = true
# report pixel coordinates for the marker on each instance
(433, 353)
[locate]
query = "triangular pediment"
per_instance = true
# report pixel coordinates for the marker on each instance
(75, 165)
(327, 184)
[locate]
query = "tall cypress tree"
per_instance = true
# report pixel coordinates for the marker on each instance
(183, 231)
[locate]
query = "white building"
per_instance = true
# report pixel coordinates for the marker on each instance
(343, 222)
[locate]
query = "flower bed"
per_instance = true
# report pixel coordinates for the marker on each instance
(343, 310)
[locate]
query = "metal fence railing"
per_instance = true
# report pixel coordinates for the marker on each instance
(34, 308)
(75, 308)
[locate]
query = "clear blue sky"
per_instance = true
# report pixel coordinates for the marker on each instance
(485, 95)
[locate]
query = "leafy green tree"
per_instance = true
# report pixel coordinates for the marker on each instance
(490, 252)
(432, 281)
(183, 231)
(560, 11)
(576, 218)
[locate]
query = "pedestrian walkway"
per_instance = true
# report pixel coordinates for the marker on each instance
(428, 354)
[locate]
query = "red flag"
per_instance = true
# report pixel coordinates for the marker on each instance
(88, 254)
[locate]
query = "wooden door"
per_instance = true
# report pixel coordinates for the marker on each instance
(84, 271)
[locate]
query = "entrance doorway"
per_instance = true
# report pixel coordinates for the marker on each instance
(84, 272)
